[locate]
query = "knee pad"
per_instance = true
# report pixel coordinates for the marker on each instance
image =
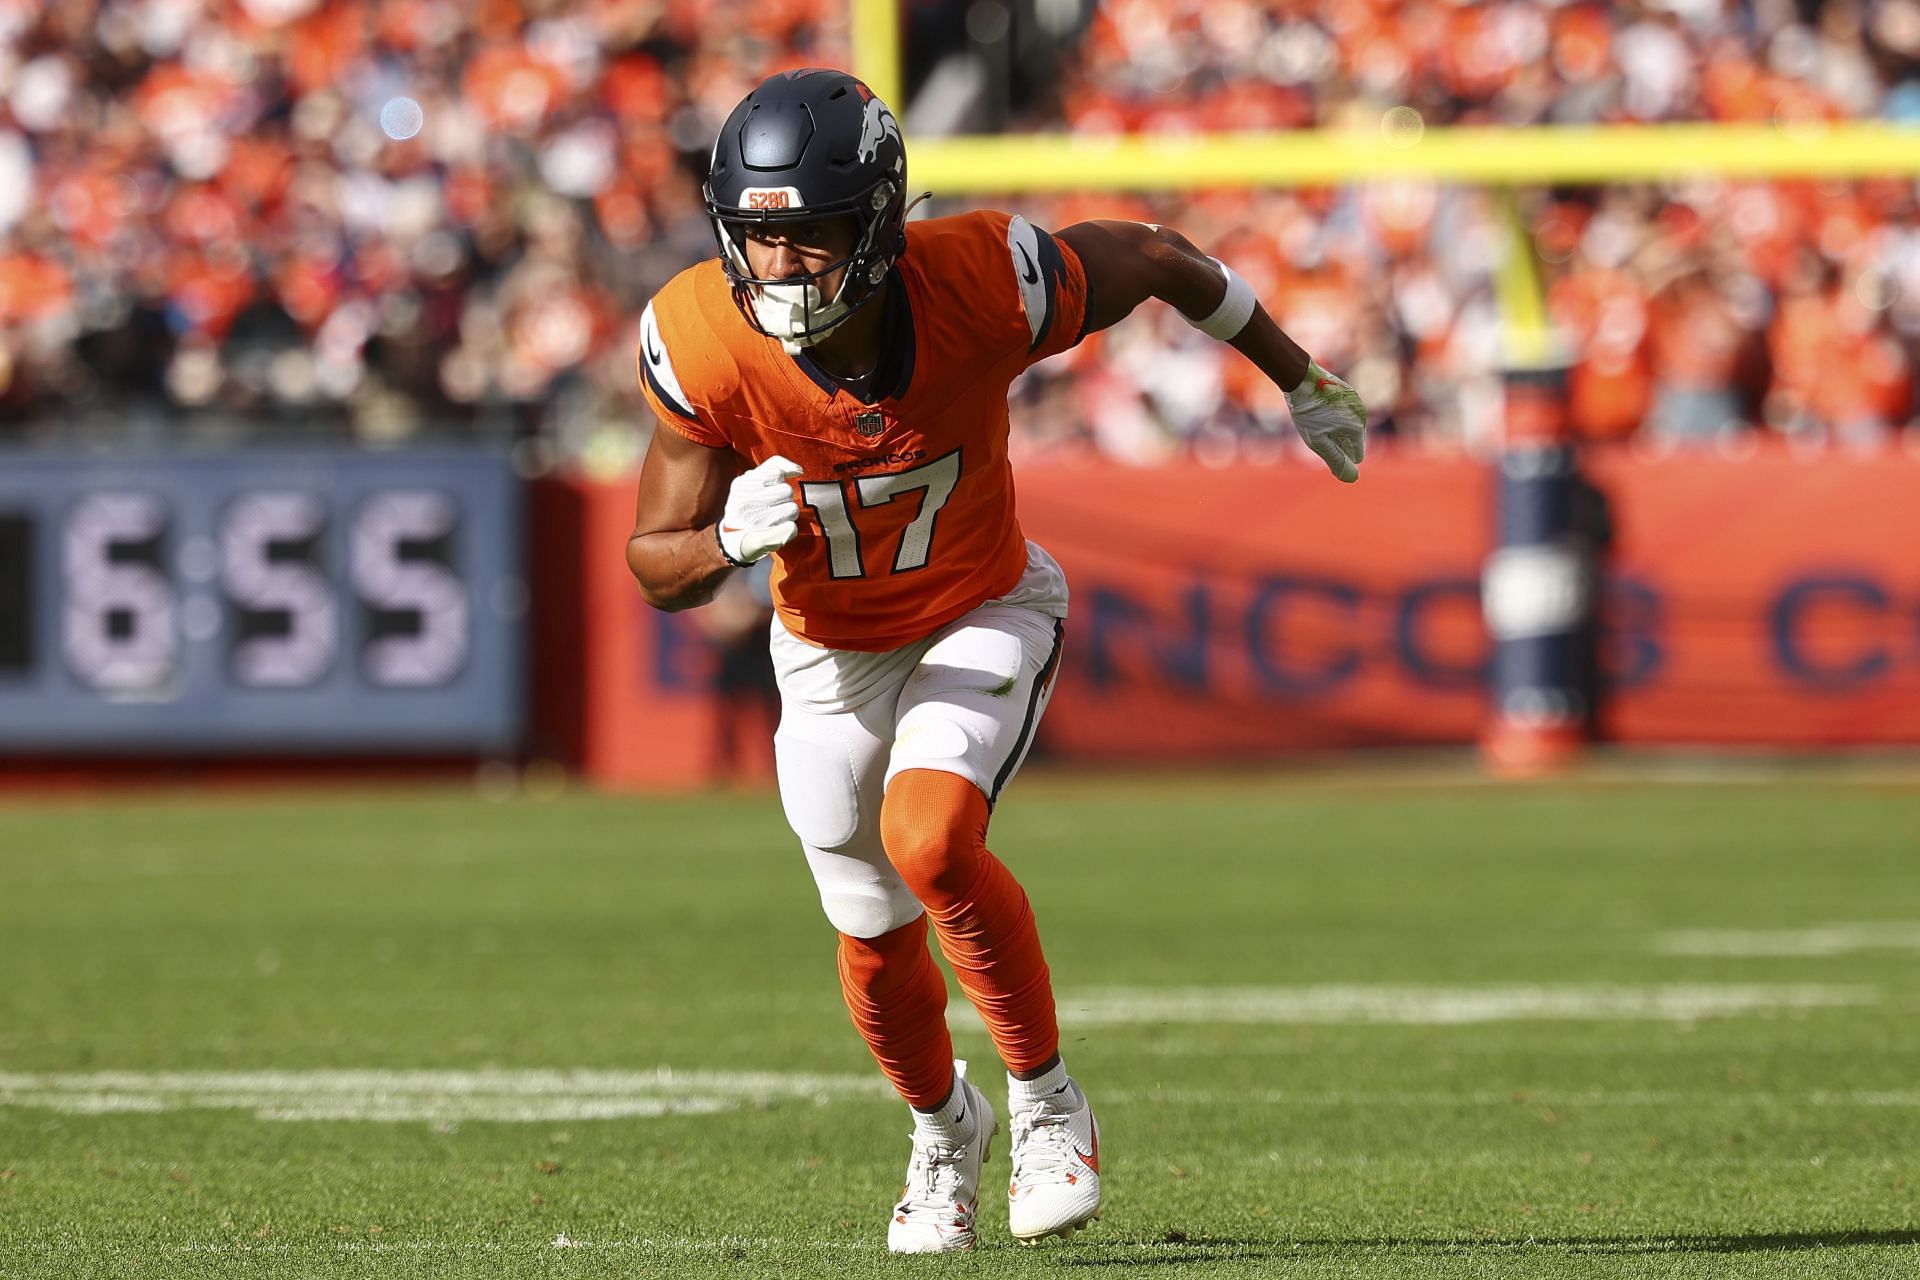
(860, 902)
(822, 785)
(933, 826)
(830, 771)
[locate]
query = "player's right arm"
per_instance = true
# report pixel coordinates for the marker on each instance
(695, 519)
(697, 516)
(674, 552)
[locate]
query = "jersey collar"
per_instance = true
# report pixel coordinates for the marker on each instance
(895, 370)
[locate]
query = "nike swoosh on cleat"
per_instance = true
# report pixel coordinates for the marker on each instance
(1091, 1161)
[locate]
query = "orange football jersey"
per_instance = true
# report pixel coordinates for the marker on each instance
(907, 514)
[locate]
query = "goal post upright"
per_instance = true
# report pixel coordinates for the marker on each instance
(874, 33)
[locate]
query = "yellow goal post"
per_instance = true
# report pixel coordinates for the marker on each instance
(1399, 145)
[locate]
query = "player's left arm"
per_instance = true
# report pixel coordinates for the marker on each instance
(1128, 262)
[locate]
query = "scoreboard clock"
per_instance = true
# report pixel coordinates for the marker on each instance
(264, 600)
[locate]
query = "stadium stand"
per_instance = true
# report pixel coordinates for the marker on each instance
(216, 215)
(1699, 310)
(212, 216)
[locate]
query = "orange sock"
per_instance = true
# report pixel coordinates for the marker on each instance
(898, 998)
(934, 827)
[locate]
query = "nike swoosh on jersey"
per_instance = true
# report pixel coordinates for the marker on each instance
(1031, 272)
(658, 373)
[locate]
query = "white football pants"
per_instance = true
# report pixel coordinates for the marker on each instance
(965, 700)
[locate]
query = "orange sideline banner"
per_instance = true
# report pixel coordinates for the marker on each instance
(1223, 613)
(1768, 602)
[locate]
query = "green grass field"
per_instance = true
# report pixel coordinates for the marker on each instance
(1333, 1027)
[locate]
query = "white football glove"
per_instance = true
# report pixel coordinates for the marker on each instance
(761, 515)
(1332, 421)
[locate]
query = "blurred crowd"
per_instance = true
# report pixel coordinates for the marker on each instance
(377, 218)
(1707, 315)
(1287, 64)
(370, 218)
(1697, 312)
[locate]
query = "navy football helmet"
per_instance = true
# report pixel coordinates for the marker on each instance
(807, 146)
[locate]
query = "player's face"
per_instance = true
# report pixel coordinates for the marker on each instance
(790, 250)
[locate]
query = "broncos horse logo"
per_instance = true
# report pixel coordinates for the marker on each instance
(876, 128)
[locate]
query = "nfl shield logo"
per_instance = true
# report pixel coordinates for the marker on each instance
(869, 424)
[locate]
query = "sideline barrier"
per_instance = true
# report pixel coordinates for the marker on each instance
(1768, 602)
(1229, 613)
(1226, 613)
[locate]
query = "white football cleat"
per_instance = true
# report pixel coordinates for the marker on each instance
(1056, 1167)
(941, 1200)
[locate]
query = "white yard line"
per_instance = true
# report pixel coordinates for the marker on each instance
(1818, 940)
(1421, 1006)
(689, 1245)
(432, 1096)
(534, 1082)
(451, 1097)
(1440, 1098)
(692, 1245)
(533, 1096)
(1867, 1098)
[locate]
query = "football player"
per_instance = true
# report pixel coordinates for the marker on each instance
(832, 391)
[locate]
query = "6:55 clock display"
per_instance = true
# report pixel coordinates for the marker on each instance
(332, 601)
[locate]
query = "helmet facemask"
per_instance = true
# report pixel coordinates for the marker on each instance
(793, 309)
